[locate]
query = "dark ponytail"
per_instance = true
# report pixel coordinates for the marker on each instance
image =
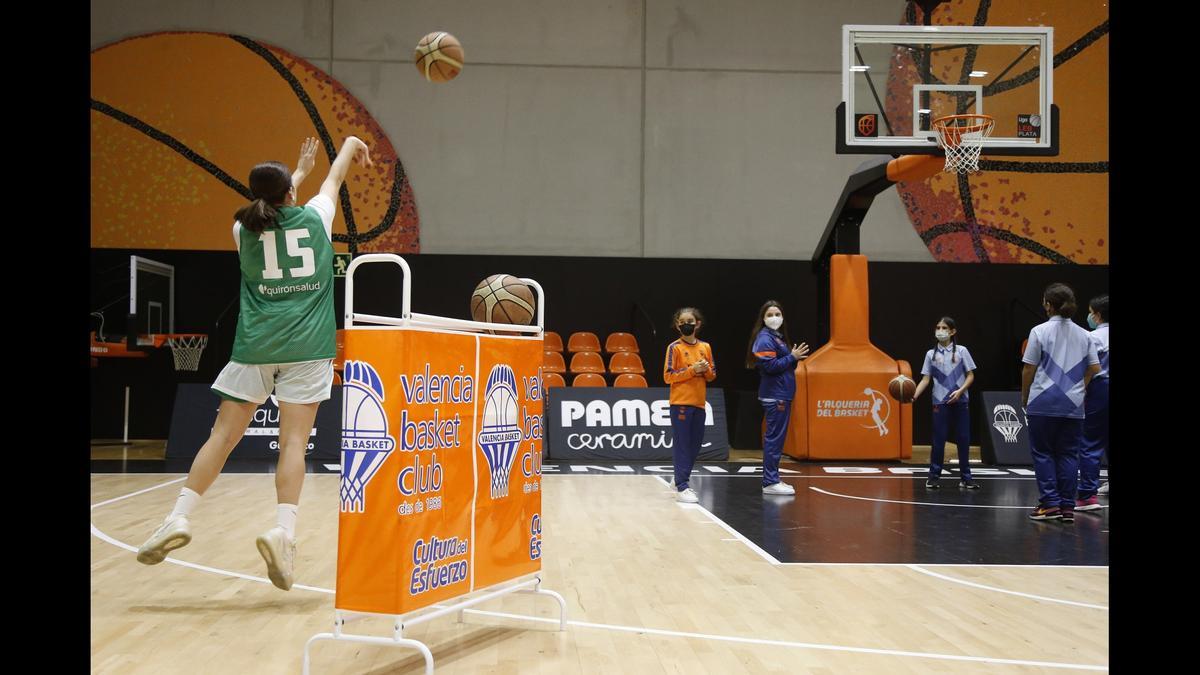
(269, 183)
(1061, 299)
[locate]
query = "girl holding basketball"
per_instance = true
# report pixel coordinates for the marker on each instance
(951, 369)
(688, 368)
(285, 343)
(769, 354)
(1060, 361)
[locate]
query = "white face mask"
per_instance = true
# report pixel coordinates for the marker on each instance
(773, 322)
(942, 335)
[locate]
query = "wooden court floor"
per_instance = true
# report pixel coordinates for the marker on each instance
(651, 586)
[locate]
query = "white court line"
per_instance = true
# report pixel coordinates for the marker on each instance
(773, 560)
(631, 629)
(120, 544)
(214, 570)
(838, 476)
(964, 582)
(134, 494)
(987, 565)
(897, 501)
(798, 645)
(740, 537)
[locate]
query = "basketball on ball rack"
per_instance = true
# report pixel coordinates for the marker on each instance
(503, 298)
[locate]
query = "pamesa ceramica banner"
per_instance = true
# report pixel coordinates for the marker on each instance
(634, 424)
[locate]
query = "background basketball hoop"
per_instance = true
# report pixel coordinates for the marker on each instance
(961, 136)
(186, 350)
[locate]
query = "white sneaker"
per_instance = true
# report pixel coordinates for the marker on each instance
(172, 534)
(779, 488)
(278, 551)
(687, 496)
(1103, 489)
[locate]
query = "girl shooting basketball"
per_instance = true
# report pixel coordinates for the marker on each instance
(285, 343)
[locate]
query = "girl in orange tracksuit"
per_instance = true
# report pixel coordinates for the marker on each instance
(688, 368)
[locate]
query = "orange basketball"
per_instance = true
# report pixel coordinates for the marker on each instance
(902, 388)
(503, 298)
(439, 57)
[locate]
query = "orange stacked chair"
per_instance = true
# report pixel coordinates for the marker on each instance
(587, 362)
(630, 380)
(552, 362)
(620, 342)
(626, 362)
(588, 380)
(553, 380)
(583, 342)
(552, 342)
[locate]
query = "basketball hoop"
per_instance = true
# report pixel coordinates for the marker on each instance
(186, 350)
(961, 136)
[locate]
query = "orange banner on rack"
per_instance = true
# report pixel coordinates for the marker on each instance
(441, 466)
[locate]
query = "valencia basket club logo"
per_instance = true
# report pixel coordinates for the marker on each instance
(500, 436)
(365, 440)
(1004, 419)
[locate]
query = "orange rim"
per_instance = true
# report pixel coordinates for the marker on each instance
(952, 135)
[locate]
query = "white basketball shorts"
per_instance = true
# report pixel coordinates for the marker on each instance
(303, 382)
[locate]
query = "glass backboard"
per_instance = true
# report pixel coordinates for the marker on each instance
(896, 80)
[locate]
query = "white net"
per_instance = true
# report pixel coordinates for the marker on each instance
(961, 136)
(186, 350)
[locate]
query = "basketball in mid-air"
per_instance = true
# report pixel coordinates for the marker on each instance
(439, 57)
(503, 298)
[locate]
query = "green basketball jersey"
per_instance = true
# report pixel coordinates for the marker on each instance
(287, 289)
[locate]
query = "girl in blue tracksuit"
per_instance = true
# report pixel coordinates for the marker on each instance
(769, 354)
(1095, 412)
(951, 370)
(1060, 361)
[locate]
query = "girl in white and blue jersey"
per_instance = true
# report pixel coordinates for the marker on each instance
(1095, 425)
(951, 370)
(1060, 361)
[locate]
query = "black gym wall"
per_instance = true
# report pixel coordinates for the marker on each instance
(994, 305)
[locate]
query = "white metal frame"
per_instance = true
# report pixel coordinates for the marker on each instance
(140, 264)
(918, 88)
(151, 305)
(531, 584)
(411, 319)
(1043, 36)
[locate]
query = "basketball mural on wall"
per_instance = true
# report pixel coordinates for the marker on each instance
(1021, 209)
(179, 119)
